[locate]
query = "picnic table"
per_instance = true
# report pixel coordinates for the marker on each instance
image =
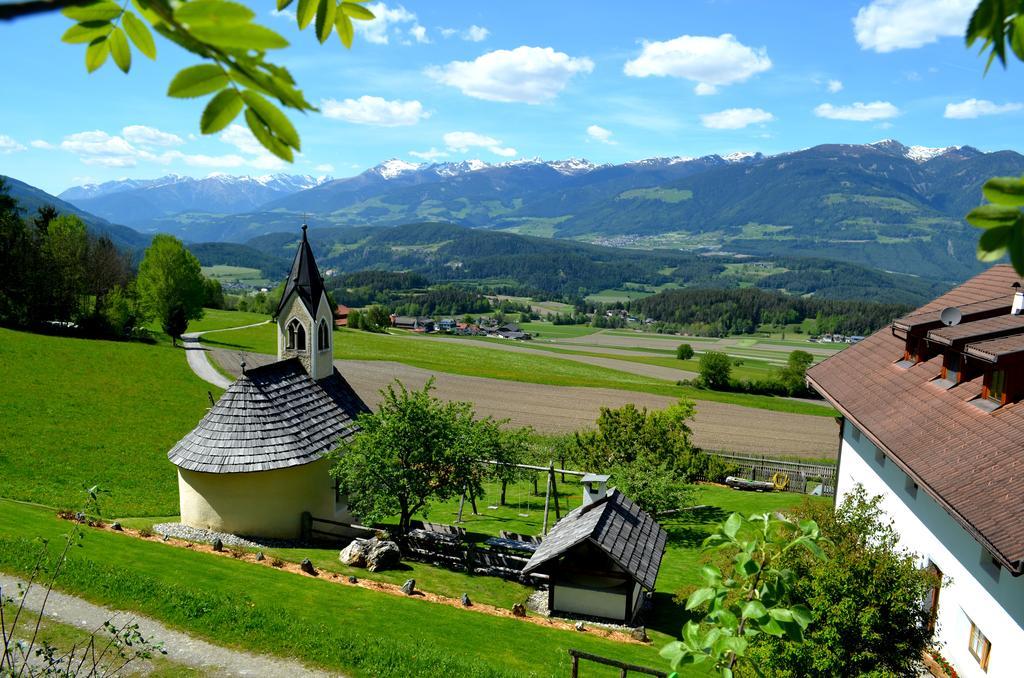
(504, 544)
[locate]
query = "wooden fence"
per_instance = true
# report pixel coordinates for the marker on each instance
(624, 668)
(800, 477)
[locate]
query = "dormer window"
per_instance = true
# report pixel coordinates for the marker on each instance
(951, 367)
(995, 386)
(295, 336)
(323, 336)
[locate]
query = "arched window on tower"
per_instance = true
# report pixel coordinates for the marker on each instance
(323, 336)
(296, 336)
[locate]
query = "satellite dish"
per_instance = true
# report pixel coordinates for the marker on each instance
(950, 316)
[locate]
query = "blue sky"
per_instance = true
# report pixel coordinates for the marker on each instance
(449, 80)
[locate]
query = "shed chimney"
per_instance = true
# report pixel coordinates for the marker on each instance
(1018, 300)
(595, 487)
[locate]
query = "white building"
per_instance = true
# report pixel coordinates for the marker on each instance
(933, 421)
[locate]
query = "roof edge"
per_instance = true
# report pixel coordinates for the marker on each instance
(1016, 569)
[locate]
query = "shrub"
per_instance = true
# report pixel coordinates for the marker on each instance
(145, 532)
(684, 352)
(276, 562)
(715, 370)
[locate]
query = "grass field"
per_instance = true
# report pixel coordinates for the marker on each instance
(218, 319)
(546, 330)
(237, 274)
(79, 412)
(457, 358)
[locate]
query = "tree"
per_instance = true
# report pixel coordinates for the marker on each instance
(865, 599)
(715, 370)
(220, 32)
(413, 450)
(65, 250)
(998, 24)
(377, 317)
(759, 597)
(793, 375)
(170, 285)
(121, 310)
(509, 448)
(44, 215)
(684, 352)
(213, 293)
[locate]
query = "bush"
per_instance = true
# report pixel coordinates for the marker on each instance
(684, 352)
(715, 370)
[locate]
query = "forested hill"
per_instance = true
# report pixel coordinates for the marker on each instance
(723, 312)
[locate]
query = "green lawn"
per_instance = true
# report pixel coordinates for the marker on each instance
(218, 319)
(456, 358)
(546, 330)
(80, 412)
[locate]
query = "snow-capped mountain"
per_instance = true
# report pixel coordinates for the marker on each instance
(922, 154)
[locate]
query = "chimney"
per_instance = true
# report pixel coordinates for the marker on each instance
(595, 488)
(1018, 300)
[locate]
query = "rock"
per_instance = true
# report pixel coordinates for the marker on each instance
(409, 586)
(355, 553)
(307, 566)
(116, 527)
(518, 610)
(218, 545)
(260, 556)
(80, 517)
(352, 579)
(466, 602)
(640, 633)
(580, 626)
(382, 555)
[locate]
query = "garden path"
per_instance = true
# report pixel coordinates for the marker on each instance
(181, 648)
(198, 358)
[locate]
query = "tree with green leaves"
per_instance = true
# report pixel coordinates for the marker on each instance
(414, 450)
(715, 370)
(793, 375)
(170, 285)
(865, 599)
(684, 352)
(233, 49)
(65, 249)
(999, 26)
(759, 597)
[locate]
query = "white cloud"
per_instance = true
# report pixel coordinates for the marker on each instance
(449, 32)
(598, 133)
(887, 25)
(432, 154)
(461, 142)
(475, 33)
(9, 145)
(324, 167)
(41, 143)
(283, 13)
(150, 136)
(858, 112)
(975, 108)
(736, 118)
(99, 148)
(386, 21)
(529, 75)
(199, 160)
(367, 110)
(834, 86)
(709, 61)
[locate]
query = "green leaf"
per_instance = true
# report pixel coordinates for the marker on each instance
(86, 32)
(781, 614)
(1016, 35)
(325, 19)
(305, 12)
(265, 137)
(221, 110)
(732, 525)
(97, 11)
(139, 33)
(213, 13)
(242, 36)
(1016, 249)
(120, 50)
(699, 597)
(745, 565)
(282, 4)
(712, 575)
(990, 216)
(1005, 190)
(802, 615)
(142, 7)
(272, 117)
(346, 31)
(356, 11)
(755, 609)
(993, 243)
(96, 54)
(195, 81)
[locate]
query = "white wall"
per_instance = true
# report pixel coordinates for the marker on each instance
(994, 602)
(589, 602)
(319, 364)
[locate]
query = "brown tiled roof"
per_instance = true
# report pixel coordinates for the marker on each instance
(997, 350)
(970, 461)
(979, 330)
(926, 320)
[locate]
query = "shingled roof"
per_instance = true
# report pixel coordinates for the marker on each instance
(304, 278)
(272, 417)
(969, 460)
(620, 528)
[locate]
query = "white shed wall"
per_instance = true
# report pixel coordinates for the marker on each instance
(994, 602)
(589, 602)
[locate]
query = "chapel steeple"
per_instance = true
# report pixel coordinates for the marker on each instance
(305, 322)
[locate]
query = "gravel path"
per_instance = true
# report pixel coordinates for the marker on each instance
(563, 409)
(181, 648)
(199, 361)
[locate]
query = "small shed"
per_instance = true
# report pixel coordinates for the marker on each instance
(601, 557)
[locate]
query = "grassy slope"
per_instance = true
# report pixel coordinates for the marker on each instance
(217, 319)
(485, 362)
(80, 412)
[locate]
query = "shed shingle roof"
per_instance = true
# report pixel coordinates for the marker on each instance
(274, 416)
(970, 461)
(620, 528)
